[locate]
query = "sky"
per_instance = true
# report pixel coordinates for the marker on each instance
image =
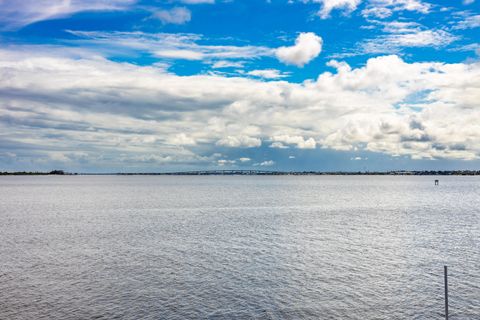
(174, 85)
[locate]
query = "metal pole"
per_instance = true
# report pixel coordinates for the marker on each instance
(446, 291)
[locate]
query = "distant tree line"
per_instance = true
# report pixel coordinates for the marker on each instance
(307, 173)
(33, 173)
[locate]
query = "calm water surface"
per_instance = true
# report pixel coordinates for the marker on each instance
(93, 247)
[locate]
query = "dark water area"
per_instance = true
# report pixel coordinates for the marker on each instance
(238, 247)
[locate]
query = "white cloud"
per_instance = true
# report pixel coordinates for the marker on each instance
(185, 46)
(16, 14)
(329, 5)
(267, 163)
(227, 64)
(179, 54)
(467, 47)
(385, 8)
(177, 15)
(124, 115)
(400, 27)
(299, 141)
(378, 12)
(245, 159)
(182, 139)
(409, 5)
(399, 35)
(239, 141)
(424, 38)
(173, 46)
(225, 162)
(307, 47)
(267, 74)
(470, 22)
(278, 145)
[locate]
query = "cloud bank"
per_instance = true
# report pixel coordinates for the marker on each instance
(91, 110)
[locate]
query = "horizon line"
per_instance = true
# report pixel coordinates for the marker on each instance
(255, 172)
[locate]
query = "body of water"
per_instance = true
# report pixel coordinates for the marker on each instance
(238, 247)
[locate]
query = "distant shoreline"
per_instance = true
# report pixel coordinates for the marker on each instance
(259, 173)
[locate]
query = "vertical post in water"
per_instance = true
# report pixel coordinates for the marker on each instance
(445, 275)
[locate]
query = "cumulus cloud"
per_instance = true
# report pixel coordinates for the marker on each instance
(278, 145)
(307, 47)
(119, 114)
(299, 141)
(239, 141)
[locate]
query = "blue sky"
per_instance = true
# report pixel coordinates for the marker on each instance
(126, 85)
